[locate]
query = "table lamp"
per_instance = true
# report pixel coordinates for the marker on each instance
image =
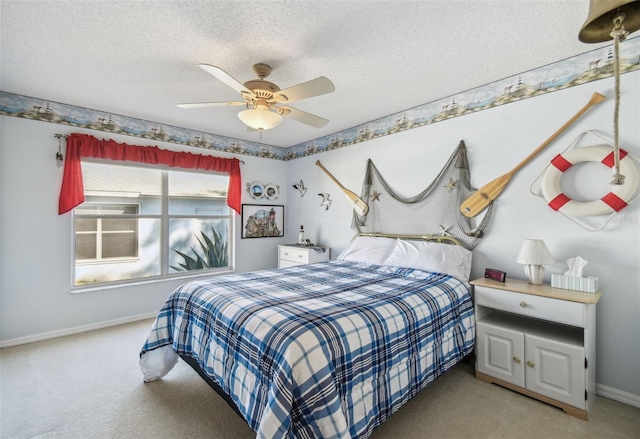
(534, 254)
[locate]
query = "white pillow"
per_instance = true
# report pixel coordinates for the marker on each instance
(432, 256)
(369, 249)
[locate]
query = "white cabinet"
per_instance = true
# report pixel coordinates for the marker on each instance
(537, 340)
(545, 360)
(290, 255)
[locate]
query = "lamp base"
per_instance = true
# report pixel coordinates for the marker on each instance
(535, 273)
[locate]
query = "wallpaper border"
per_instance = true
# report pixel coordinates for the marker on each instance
(587, 67)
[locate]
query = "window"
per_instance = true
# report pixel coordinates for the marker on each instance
(142, 222)
(99, 238)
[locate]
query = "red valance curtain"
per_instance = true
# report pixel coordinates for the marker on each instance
(83, 145)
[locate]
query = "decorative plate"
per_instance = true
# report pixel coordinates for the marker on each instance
(255, 189)
(271, 191)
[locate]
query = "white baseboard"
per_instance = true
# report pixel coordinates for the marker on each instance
(75, 330)
(618, 395)
(601, 390)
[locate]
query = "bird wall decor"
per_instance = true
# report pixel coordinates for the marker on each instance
(300, 187)
(326, 201)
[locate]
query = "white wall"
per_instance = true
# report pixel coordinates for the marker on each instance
(36, 242)
(497, 140)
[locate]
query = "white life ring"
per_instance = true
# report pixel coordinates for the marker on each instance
(614, 201)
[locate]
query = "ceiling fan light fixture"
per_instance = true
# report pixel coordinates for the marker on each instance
(260, 119)
(261, 97)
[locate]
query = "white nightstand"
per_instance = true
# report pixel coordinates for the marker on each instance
(290, 255)
(537, 340)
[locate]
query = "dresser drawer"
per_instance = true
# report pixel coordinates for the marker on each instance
(291, 254)
(554, 310)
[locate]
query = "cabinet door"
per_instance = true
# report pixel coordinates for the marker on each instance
(556, 370)
(501, 353)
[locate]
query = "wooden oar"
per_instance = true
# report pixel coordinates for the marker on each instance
(480, 199)
(359, 205)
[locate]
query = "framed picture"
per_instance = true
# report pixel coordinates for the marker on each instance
(262, 221)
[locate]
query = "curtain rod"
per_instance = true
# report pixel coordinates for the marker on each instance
(59, 136)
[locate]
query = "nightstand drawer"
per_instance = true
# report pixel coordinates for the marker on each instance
(292, 254)
(289, 255)
(554, 310)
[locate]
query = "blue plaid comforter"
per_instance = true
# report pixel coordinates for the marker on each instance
(327, 350)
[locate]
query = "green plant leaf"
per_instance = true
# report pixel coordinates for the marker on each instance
(214, 253)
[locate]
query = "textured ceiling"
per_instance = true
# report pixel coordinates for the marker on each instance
(140, 58)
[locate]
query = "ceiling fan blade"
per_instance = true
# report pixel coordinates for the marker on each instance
(309, 89)
(225, 77)
(210, 104)
(302, 116)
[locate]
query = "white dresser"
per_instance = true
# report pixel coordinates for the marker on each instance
(537, 340)
(290, 255)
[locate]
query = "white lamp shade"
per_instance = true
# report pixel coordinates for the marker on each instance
(534, 252)
(260, 119)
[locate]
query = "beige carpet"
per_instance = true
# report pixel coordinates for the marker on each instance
(89, 386)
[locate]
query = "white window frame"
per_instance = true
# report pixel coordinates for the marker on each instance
(100, 259)
(164, 218)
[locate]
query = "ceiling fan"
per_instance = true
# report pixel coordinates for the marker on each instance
(264, 100)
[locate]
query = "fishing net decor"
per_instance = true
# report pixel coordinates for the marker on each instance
(434, 211)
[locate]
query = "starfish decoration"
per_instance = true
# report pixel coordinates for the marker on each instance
(375, 196)
(444, 231)
(452, 184)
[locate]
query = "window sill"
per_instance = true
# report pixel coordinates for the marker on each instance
(151, 280)
(124, 260)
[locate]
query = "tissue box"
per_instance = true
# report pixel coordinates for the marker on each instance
(577, 283)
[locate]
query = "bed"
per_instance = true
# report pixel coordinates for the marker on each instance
(327, 350)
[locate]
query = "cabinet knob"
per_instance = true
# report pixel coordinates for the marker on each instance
(530, 364)
(523, 304)
(516, 360)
